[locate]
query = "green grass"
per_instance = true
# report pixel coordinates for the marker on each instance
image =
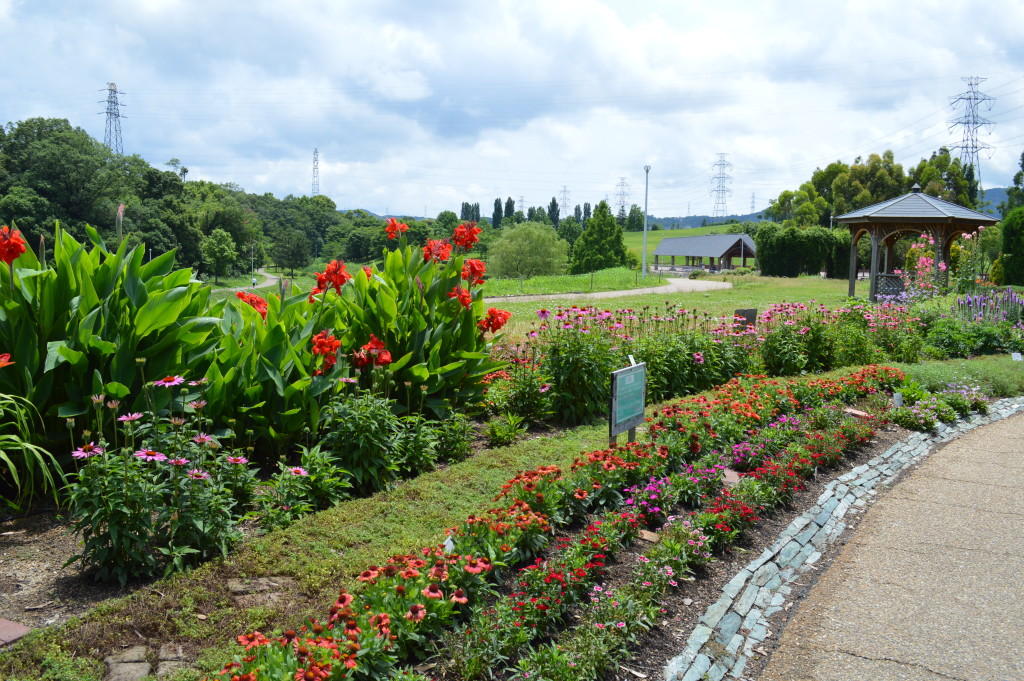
(612, 279)
(635, 240)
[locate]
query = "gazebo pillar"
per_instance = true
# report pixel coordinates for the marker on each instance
(889, 255)
(853, 267)
(873, 290)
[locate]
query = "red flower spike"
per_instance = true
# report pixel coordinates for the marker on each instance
(394, 228)
(12, 245)
(465, 236)
(437, 250)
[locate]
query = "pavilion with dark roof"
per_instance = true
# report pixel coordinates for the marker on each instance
(913, 213)
(717, 250)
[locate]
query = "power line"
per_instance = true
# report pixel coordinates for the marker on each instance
(112, 132)
(316, 172)
(971, 121)
(720, 191)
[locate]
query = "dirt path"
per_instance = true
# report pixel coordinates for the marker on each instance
(671, 285)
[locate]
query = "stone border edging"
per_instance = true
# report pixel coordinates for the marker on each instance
(723, 641)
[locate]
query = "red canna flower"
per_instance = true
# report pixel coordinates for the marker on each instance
(437, 249)
(373, 352)
(466, 235)
(334, 275)
(368, 271)
(473, 271)
(5, 360)
(259, 304)
(11, 245)
(394, 228)
(326, 345)
(494, 320)
(464, 296)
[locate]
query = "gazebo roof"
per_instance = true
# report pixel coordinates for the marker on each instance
(708, 246)
(917, 207)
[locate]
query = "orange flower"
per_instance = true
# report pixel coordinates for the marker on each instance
(436, 249)
(494, 320)
(394, 228)
(11, 245)
(464, 296)
(473, 271)
(466, 235)
(5, 360)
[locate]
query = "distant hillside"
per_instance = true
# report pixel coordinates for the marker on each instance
(702, 220)
(993, 197)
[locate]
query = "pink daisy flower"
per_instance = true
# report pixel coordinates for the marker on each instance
(297, 470)
(197, 474)
(169, 381)
(135, 416)
(87, 450)
(237, 459)
(150, 455)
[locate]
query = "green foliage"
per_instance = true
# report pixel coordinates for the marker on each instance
(1013, 247)
(600, 246)
(794, 349)
(25, 468)
(96, 321)
(1014, 194)
(580, 365)
(219, 252)
(362, 433)
(504, 429)
(527, 250)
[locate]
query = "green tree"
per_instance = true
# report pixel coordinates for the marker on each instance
(569, 230)
(445, 223)
(554, 212)
(292, 251)
(527, 250)
(510, 208)
(586, 212)
(635, 219)
(600, 246)
(497, 214)
(1012, 258)
(1014, 194)
(219, 253)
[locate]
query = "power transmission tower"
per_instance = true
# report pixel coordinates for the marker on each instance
(753, 202)
(720, 190)
(970, 121)
(563, 206)
(522, 204)
(622, 194)
(316, 172)
(112, 133)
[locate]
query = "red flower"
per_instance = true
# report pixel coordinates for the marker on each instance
(11, 245)
(464, 296)
(416, 613)
(326, 345)
(459, 597)
(433, 591)
(466, 235)
(334, 275)
(255, 301)
(494, 320)
(473, 271)
(368, 271)
(373, 352)
(437, 249)
(394, 228)
(5, 360)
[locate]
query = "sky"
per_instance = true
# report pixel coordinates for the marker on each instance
(415, 107)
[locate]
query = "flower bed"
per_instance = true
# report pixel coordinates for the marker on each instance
(409, 594)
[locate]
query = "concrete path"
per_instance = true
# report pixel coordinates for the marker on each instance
(931, 584)
(671, 285)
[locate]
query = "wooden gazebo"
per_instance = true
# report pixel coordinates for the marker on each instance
(914, 213)
(718, 250)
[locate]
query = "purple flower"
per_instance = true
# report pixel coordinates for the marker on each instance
(135, 416)
(698, 358)
(150, 455)
(87, 450)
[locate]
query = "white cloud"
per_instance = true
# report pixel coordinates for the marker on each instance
(432, 104)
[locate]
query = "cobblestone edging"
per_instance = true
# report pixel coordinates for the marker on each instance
(730, 628)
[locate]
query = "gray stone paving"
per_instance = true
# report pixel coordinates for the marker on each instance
(731, 628)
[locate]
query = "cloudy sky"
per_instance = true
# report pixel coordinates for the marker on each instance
(418, 106)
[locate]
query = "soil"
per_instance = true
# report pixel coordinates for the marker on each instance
(37, 589)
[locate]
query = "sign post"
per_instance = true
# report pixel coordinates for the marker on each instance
(629, 392)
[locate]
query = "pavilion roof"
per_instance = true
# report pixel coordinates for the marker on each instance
(707, 246)
(917, 207)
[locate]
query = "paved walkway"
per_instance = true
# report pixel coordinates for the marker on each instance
(931, 584)
(671, 285)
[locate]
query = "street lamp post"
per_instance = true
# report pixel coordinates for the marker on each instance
(647, 178)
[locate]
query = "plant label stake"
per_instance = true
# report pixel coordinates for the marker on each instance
(629, 390)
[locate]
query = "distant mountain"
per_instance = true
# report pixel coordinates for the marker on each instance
(702, 220)
(991, 200)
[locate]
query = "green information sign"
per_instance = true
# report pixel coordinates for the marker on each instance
(629, 391)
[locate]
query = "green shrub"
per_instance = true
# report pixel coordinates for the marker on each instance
(580, 366)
